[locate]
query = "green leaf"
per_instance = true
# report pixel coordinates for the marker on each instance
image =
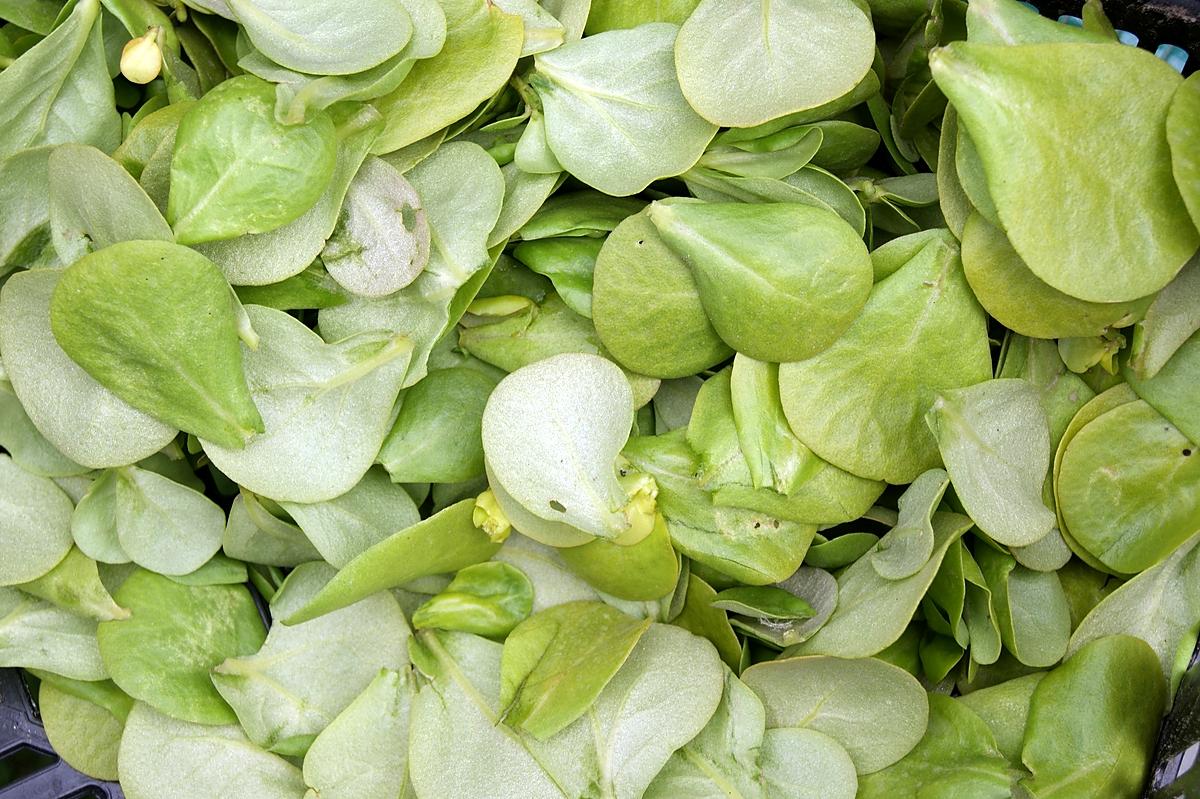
(304, 675)
(1159, 606)
(363, 753)
(774, 456)
(699, 617)
(325, 38)
(642, 572)
(1011, 99)
(1171, 319)
(1171, 392)
(808, 764)
(609, 15)
(615, 117)
(176, 634)
(877, 711)
(873, 611)
(381, 242)
(957, 757)
(25, 224)
(437, 436)
(551, 435)
(155, 324)
(840, 551)
(259, 259)
(556, 663)
(763, 603)
(860, 404)
(344, 527)
(1031, 609)
(1093, 722)
(481, 49)
(59, 90)
(734, 755)
(1021, 301)
(95, 203)
(445, 542)
(253, 534)
(723, 759)
(907, 548)
(752, 546)
(569, 263)
(162, 756)
(647, 308)
(1128, 487)
(657, 702)
(237, 170)
(101, 429)
(745, 64)
(459, 223)
(74, 585)
(1183, 136)
(325, 408)
(311, 289)
(995, 440)
(83, 734)
(1005, 709)
(35, 524)
(780, 282)
(488, 599)
(164, 526)
(38, 635)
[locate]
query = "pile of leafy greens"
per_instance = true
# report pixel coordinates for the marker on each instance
(610, 399)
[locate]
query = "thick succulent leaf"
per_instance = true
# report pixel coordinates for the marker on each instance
(237, 170)
(1093, 721)
(743, 64)
(325, 38)
(156, 324)
(35, 634)
(995, 440)
(551, 433)
(877, 711)
(363, 753)
(860, 404)
(1012, 101)
(78, 415)
(59, 90)
(325, 408)
(344, 527)
(163, 653)
(35, 524)
(780, 282)
(482, 45)
(162, 756)
(615, 117)
(304, 675)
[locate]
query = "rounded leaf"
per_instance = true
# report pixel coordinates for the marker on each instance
(647, 308)
(780, 282)
(175, 636)
(552, 432)
(742, 64)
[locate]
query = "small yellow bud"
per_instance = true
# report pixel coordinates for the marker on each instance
(489, 517)
(141, 58)
(640, 511)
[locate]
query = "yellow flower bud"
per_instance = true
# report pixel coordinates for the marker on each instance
(489, 517)
(141, 58)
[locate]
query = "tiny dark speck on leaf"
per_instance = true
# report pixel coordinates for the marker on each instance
(558, 506)
(1187, 453)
